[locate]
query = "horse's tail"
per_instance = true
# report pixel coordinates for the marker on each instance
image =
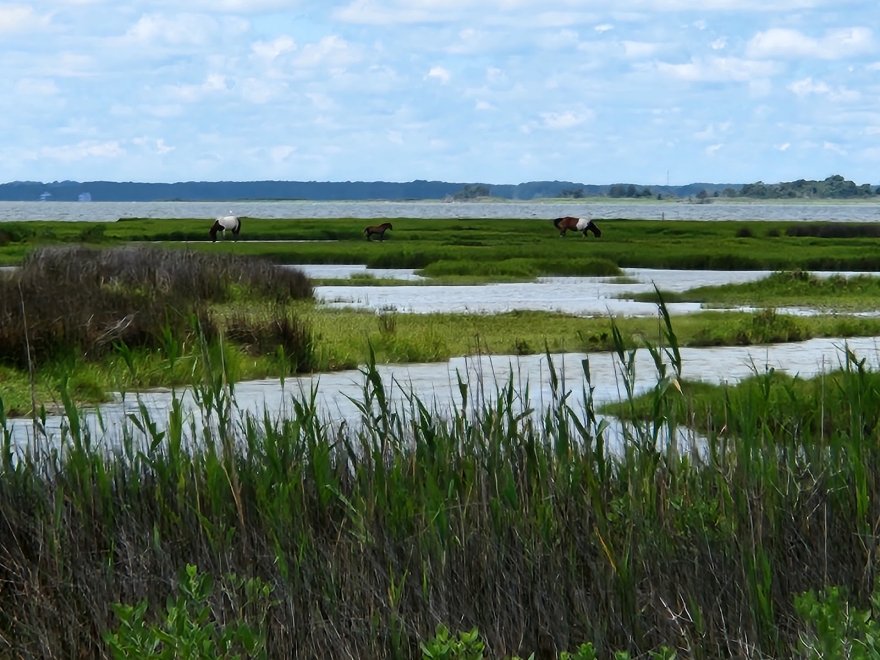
(366, 231)
(237, 226)
(557, 221)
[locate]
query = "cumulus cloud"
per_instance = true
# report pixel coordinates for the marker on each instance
(330, 52)
(155, 145)
(83, 150)
(439, 73)
(717, 69)
(17, 18)
(286, 88)
(213, 84)
(809, 87)
(565, 119)
(184, 30)
(274, 48)
(35, 87)
(784, 43)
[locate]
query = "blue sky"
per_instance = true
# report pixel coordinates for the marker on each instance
(493, 91)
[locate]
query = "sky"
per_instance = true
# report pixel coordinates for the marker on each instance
(649, 92)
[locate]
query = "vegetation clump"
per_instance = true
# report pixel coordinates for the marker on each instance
(544, 530)
(78, 301)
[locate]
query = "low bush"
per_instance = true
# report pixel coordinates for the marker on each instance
(83, 301)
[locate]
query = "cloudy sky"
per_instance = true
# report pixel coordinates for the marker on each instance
(493, 91)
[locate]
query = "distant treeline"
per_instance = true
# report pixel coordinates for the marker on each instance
(111, 191)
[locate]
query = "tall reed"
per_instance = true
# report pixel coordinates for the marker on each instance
(539, 527)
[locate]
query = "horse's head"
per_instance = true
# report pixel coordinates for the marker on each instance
(593, 228)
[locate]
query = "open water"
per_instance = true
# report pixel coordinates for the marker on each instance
(855, 211)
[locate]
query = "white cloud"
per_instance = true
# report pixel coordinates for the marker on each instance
(287, 88)
(330, 52)
(809, 87)
(639, 49)
(16, 18)
(212, 85)
(565, 119)
(271, 50)
(439, 73)
(83, 151)
(282, 153)
(712, 131)
(835, 44)
(35, 87)
(718, 69)
(155, 145)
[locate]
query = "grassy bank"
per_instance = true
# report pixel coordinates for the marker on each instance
(509, 248)
(248, 340)
(99, 318)
(838, 292)
(360, 541)
(135, 317)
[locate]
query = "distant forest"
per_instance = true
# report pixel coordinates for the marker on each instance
(834, 187)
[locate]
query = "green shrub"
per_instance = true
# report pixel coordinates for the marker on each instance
(835, 629)
(189, 628)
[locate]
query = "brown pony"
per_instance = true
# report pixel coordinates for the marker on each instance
(576, 224)
(378, 230)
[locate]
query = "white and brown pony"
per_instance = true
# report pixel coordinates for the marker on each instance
(224, 222)
(582, 225)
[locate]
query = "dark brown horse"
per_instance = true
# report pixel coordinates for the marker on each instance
(576, 224)
(378, 230)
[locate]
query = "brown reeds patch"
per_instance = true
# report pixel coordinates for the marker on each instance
(84, 301)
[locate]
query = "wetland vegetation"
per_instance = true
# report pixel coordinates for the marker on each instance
(366, 540)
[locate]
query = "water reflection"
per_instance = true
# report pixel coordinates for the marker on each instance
(436, 384)
(582, 296)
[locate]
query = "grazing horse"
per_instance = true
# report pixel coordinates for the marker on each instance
(377, 229)
(223, 223)
(582, 225)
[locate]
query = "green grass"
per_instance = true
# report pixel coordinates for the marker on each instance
(524, 248)
(788, 289)
(394, 338)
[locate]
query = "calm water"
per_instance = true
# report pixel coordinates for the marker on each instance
(582, 296)
(436, 383)
(599, 208)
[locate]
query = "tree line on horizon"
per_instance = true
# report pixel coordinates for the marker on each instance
(833, 187)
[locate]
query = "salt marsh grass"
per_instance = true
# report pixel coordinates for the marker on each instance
(490, 515)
